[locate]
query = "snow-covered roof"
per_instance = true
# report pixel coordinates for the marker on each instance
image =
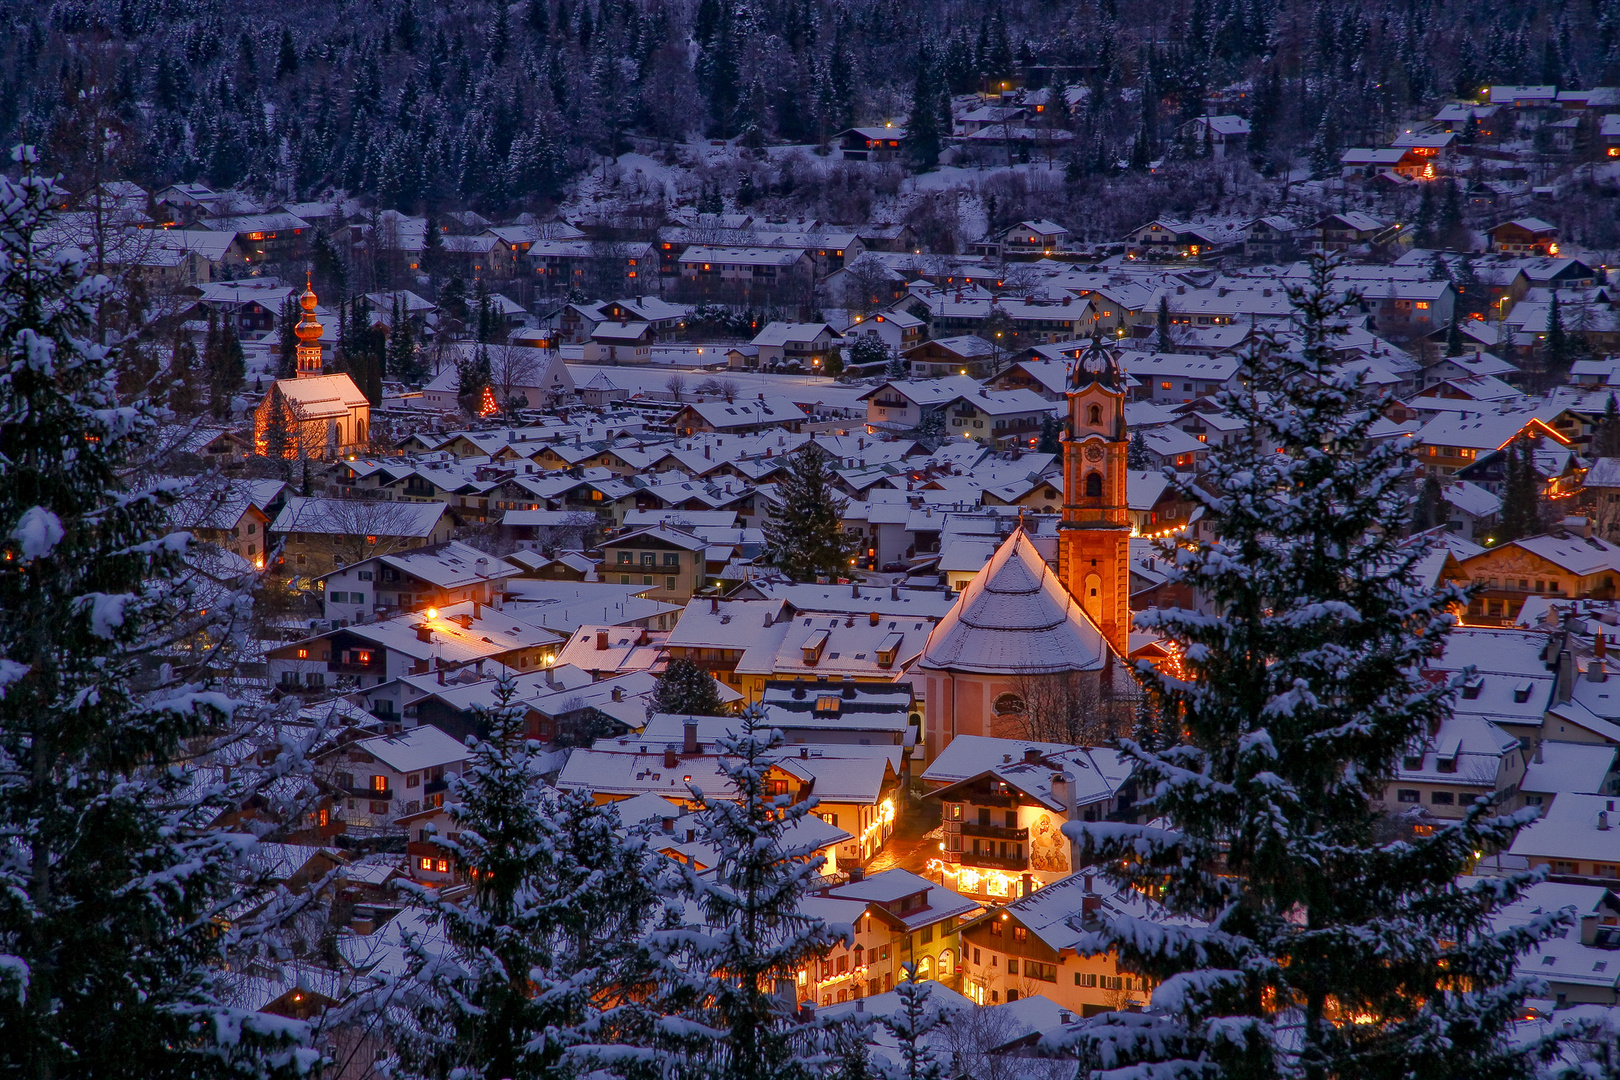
(1575, 827)
(422, 747)
(1579, 767)
(448, 566)
(1015, 617)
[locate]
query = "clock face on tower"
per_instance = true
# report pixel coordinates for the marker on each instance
(1094, 453)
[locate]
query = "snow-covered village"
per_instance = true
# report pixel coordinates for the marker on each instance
(810, 540)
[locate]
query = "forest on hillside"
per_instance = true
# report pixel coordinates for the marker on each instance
(426, 107)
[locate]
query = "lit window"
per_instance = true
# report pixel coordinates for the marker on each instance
(1423, 305)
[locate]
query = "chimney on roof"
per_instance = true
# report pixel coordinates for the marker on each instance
(857, 873)
(424, 632)
(1600, 648)
(872, 618)
(1031, 755)
(478, 609)
(601, 640)
(894, 592)
(855, 589)
(689, 730)
(1595, 672)
(670, 758)
(1060, 790)
(1539, 756)
(1027, 885)
(1566, 676)
(714, 605)
(618, 693)
(1603, 821)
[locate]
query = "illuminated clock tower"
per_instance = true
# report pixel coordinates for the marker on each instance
(1094, 543)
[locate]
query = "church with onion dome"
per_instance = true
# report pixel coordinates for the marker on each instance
(313, 414)
(1020, 619)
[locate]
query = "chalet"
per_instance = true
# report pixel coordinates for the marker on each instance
(465, 635)
(739, 417)
(262, 238)
(901, 404)
(1180, 377)
(1465, 759)
(1033, 238)
(1003, 819)
(559, 704)
(1036, 945)
(255, 306)
(1524, 237)
(711, 268)
(236, 518)
(965, 354)
(668, 562)
(872, 143)
(897, 330)
(318, 535)
(1008, 416)
(1557, 564)
(806, 346)
(475, 258)
(1575, 839)
(908, 919)
(1164, 238)
(379, 779)
(1270, 238)
(714, 633)
(436, 576)
(1341, 232)
(1216, 134)
(620, 343)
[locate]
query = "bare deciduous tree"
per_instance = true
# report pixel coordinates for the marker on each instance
(1083, 708)
(354, 530)
(978, 1043)
(514, 370)
(676, 385)
(865, 286)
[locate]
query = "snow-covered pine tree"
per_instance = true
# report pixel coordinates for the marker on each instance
(1317, 951)
(729, 981)
(806, 537)
(1051, 439)
(113, 895)
(1136, 452)
(686, 690)
(1522, 509)
(910, 1025)
(286, 340)
(560, 900)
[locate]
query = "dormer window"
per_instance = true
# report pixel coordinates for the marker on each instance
(1472, 687)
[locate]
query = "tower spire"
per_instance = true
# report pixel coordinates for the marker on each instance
(1094, 548)
(308, 331)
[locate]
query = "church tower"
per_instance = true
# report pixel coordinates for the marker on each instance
(1094, 543)
(308, 332)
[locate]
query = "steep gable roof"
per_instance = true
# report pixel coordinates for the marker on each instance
(1015, 617)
